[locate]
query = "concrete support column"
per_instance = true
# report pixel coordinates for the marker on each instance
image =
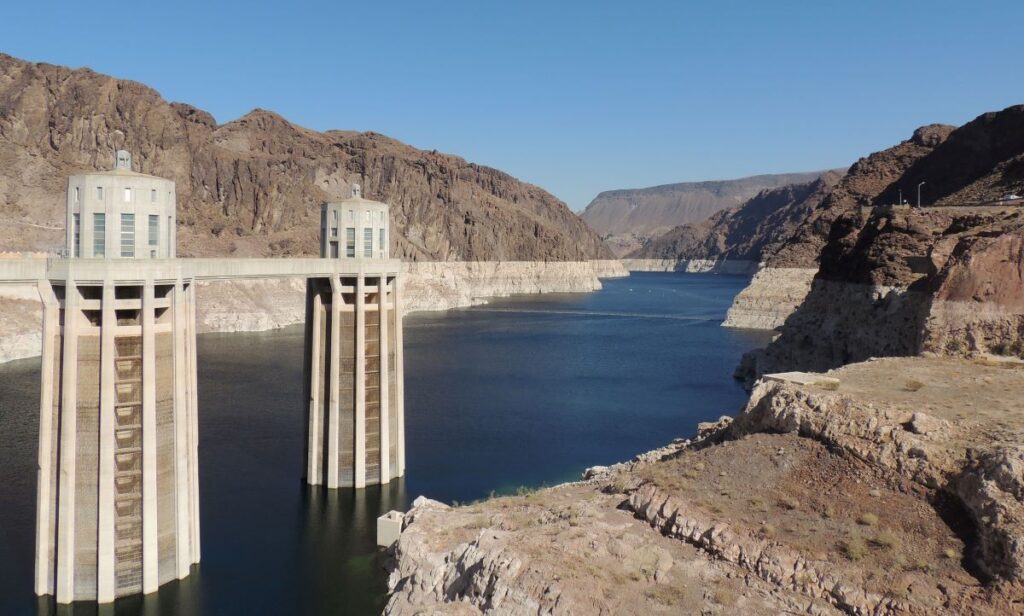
(107, 424)
(182, 433)
(385, 424)
(44, 478)
(333, 432)
(150, 546)
(68, 426)
(399, 376)
(314, 449)
(360, 437)
(193, 406)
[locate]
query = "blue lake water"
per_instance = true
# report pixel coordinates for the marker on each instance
(521, 391)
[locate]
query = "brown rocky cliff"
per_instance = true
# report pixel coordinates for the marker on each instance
(254, 186)
(904, 282)
(982, 160)
(756, 228)
(861, 185)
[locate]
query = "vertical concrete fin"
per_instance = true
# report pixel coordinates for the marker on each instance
(45, 496)
(360, 428)
(105, 513)
(385, 425)
(150, 557)
(68, 425)
(335, 369)
(399, 376)
(182, 431)
(193, 412)
(314, 408)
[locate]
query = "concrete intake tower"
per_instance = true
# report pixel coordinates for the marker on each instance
(354, 380)
(117, 510)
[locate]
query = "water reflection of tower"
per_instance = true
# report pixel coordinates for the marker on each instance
(356, 425)
(339, 549)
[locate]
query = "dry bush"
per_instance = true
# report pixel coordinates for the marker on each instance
(885, 539)
(725, 597)
(789, 503)
(855, 548)
(867, 519)
(913, 385)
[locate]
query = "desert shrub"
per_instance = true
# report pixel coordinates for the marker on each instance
(855, 548)
(789, 503)
(867, 519)
(885, 539)
(913, 385)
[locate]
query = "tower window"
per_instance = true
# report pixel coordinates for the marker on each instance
(99, 234)
(127, 235)
(127, 195)
(368, 241)
(350, 242)
(99, 193)
(76, 194)
(152, 195)
(76, 224)
(154, 229)
(382, 244)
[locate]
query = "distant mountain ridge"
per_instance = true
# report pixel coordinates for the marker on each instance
(627, 217)
(253, 186)
(747, 232)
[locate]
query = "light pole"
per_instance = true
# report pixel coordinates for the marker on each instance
(900, 202)
(919, 194)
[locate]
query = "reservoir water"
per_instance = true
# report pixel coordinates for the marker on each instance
(521, 391)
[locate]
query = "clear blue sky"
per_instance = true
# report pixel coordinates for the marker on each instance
(577, 97)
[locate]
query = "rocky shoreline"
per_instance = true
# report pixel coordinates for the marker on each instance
(259, 305)
(772, 295)
(886, 487)
(692, 266)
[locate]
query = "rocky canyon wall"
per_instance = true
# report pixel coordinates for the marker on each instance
(771, 297)
(905, 282)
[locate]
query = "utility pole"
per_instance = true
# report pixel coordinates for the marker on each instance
(919, 194)
(900, 202)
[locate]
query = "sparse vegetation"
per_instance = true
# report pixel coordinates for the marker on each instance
(855, 548)
(725, 597)
(951, 553)
(789, 504)
(885, 539)
(828, 385)
(759, 504)
(867, 519)
(913, 385)
(769, 532)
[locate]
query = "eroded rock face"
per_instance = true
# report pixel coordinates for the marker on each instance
(747, 232)
(629, 218)
(253, 186)
(861, 185)
(962, 457)
(899, 283)
(830, 496)
(770, 298)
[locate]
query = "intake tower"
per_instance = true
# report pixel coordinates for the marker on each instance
(117, 509)
(354, 380)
